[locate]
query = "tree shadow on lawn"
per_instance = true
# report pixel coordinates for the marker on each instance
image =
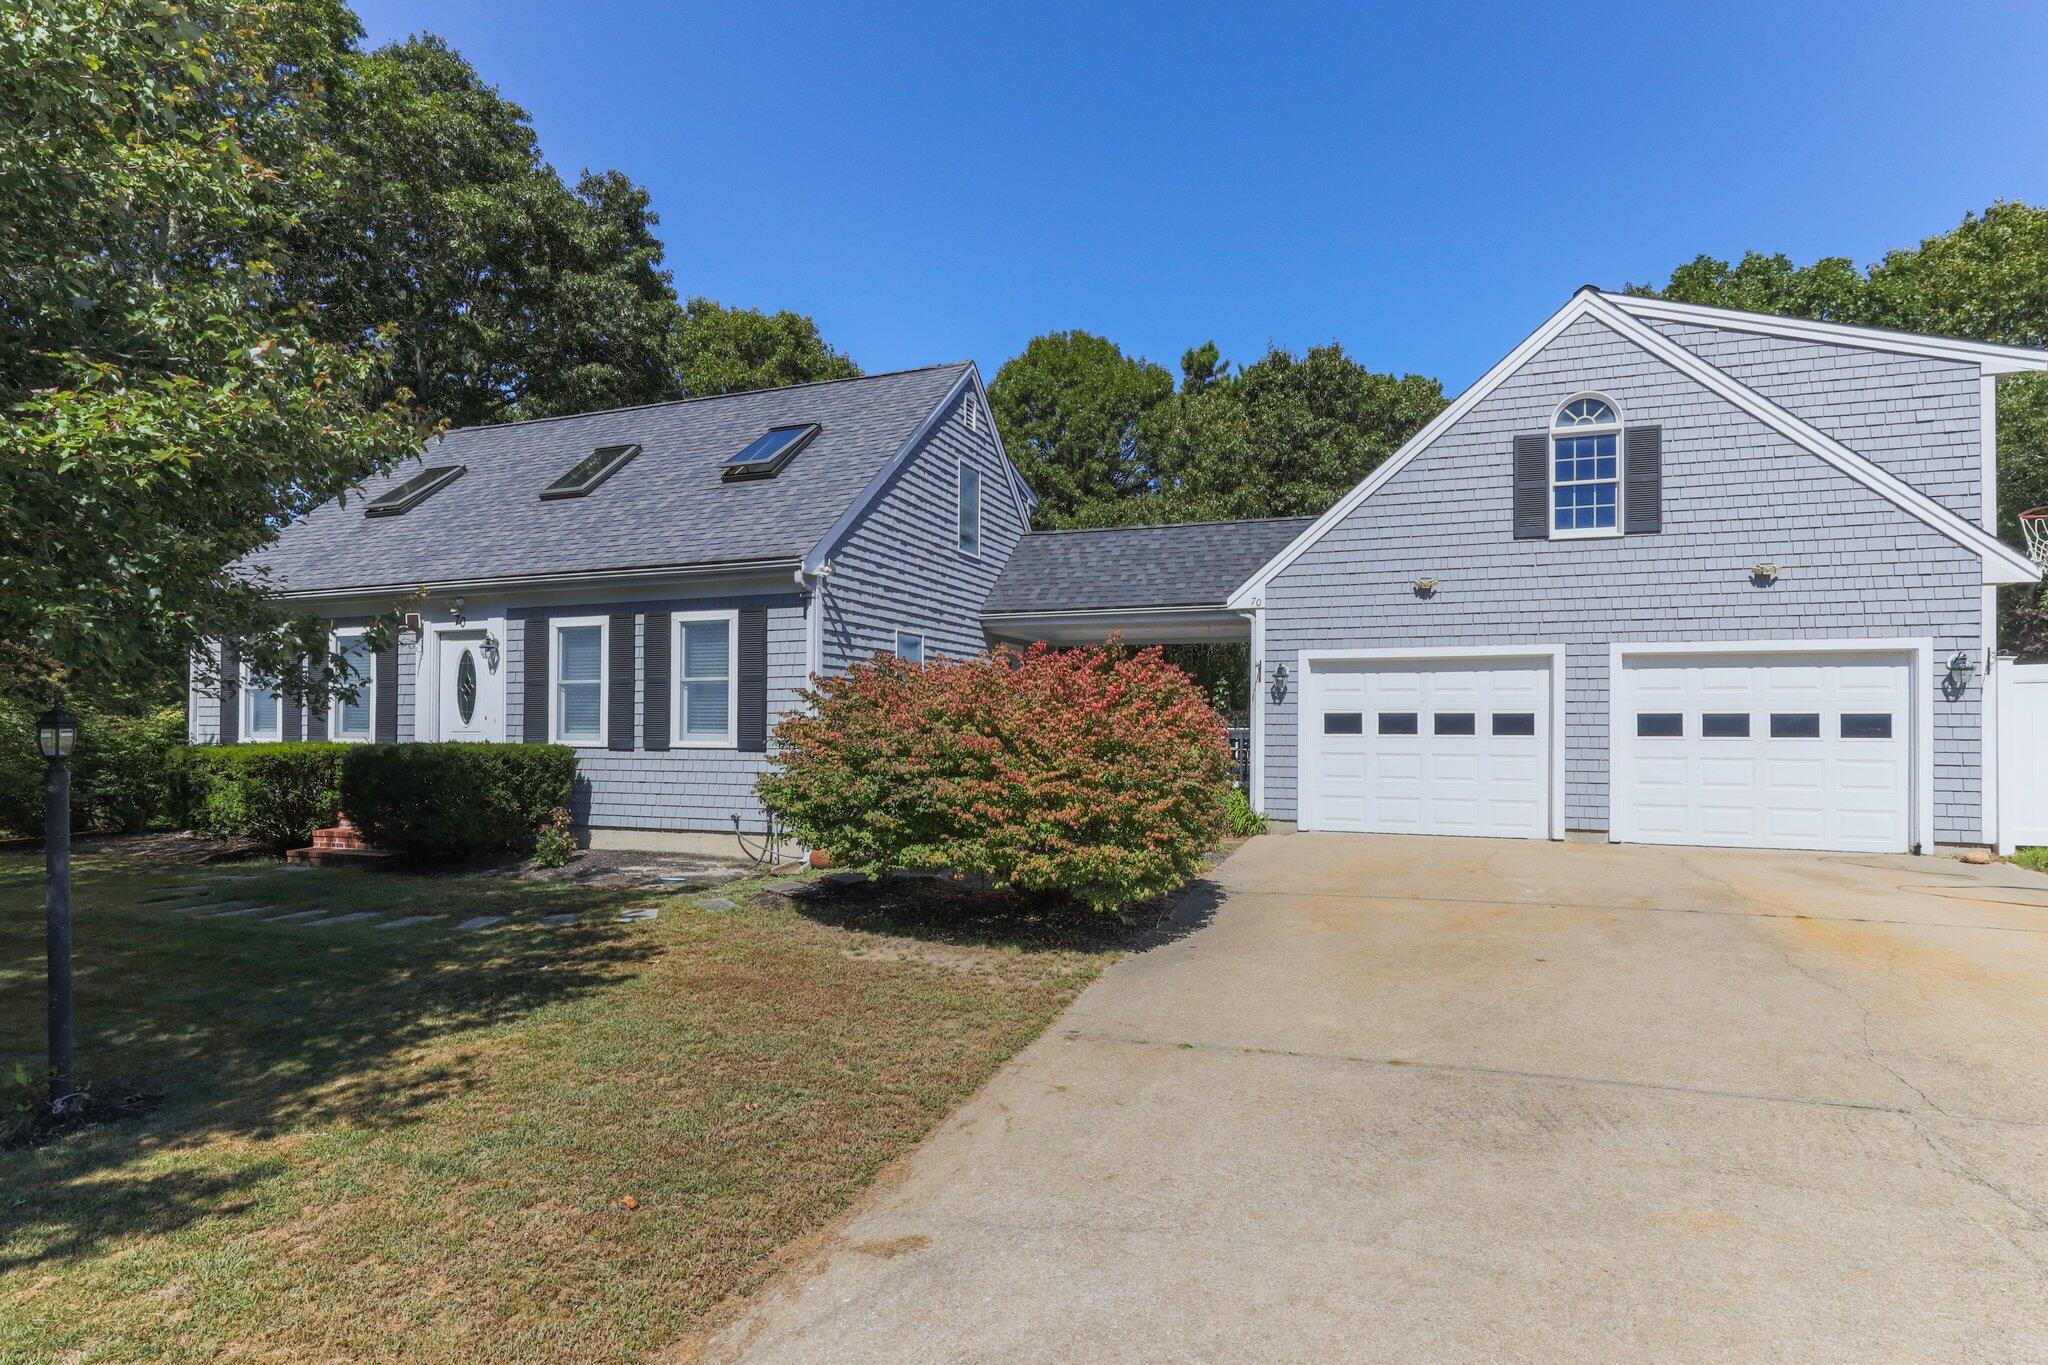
(960, 913)
(250, 1030)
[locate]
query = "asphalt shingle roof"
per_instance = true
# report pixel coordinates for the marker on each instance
(667, 506)
(1193, 564)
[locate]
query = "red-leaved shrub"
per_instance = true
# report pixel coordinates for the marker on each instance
(1099, 773)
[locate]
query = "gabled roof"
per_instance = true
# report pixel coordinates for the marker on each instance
(1991, 357)
(669, 507)
(1135, 567)
(2002, 563)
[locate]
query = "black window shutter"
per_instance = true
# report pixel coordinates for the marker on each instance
(656, 679)
(230, 694)
(292, 715)
(386, 714)
(534, 683)
(619, 726)
(1642, 472)
(317, 703)
(752, 713)
(1532, 487)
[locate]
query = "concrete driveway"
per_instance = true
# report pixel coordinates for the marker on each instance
(1404, 1099)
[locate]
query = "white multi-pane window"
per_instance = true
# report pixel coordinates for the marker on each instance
(969, 524)
(910, 646)
(705, 664)
(354, 667)
(578, 662)
(1585, 468)
(262, 709)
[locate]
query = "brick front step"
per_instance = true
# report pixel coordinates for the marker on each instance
(342, 843)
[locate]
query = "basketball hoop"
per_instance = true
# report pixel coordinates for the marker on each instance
(2034, 526)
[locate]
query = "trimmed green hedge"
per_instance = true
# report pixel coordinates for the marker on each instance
(279, 793)
(455, 798)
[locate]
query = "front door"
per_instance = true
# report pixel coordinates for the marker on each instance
(471, 687)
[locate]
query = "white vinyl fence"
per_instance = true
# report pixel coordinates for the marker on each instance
(2022, 754)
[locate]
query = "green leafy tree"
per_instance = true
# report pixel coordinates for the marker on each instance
(165, 405)
(1286, 436)
(716, 349)
(507, 293)
(1068, 408)
(1986, 279)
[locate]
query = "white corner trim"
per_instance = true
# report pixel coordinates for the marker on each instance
(1994, 358)
(1257, 709)
(1920, 649)
(2002, 564)
(1552, 655)
(1995, 553)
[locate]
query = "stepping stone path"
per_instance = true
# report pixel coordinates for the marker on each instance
(566, 917)
(638, 914)
(794, 886)
(716, 903)
(481, 922)
(353, 917)
(296, 915)
(404, 920)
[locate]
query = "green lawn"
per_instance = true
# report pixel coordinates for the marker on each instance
(415, 1143)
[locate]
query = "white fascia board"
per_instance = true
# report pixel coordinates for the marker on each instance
(1994, 359)
(2002, 563)
(1252, 592)
(829, 542)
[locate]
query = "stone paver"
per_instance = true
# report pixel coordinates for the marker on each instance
(404, 920)
(241, 911)
(297, 915)
(352, 917)
(566, 917)
(480, 922)
(1376, 1098)
(638, 914)
(716, 903)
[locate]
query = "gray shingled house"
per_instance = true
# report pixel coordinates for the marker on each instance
(1664, 574)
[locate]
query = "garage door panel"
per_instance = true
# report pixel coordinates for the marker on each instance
(1799, 778)
(1466, 780)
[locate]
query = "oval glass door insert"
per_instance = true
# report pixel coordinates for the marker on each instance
(465, 687)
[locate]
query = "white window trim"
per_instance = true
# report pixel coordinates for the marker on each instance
(1616, 429)
(556, 625)
(246, 687)
(367, 692)
(679, 736)
(959, 515)
(903, 633)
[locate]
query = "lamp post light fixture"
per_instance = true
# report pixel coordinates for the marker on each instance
(56, 737)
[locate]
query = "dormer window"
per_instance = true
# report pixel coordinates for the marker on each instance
(1585, 468)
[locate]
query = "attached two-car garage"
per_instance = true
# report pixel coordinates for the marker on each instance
(1763, 746)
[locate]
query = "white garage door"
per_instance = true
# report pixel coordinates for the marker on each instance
(1765, 750)
(1459, 747)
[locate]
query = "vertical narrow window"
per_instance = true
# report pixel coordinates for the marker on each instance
(970, 510)
(262, 710)
(910, 646)
(354, 668)
(1585, 468)
(705, 679)
(579, 682)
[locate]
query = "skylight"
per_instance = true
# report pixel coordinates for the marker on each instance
(414, 490)
(590, 471)
(770, 451)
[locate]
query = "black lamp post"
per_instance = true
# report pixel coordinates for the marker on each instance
(56, 736)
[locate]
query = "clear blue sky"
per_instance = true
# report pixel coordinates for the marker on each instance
(1421, 182)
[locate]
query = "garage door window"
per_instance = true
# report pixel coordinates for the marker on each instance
(1344, 723)
(1660, 724)
(1725, 725)
(1457, 723)
(1860, 725)
(1514, 723)
(1795, 725)
(1397, 723)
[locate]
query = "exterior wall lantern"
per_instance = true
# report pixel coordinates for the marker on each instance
(490, 649)
(1425, 587)
(1960, 668)
(1763, 574)
(1278, 691)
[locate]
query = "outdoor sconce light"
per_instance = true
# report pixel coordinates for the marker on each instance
(1960, 667)
(1764, 574)
(490, 648)
(455, 611)
(56, 733)
(1279, 688)
(1425, 587)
